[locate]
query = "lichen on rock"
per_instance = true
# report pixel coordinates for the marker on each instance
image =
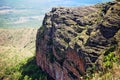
(72, 39)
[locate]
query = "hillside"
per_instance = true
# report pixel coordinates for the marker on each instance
(17, 55)
(80, 42)
(73, 43)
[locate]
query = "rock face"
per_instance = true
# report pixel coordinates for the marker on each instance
(72, 39)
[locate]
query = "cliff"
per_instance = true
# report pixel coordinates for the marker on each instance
(73, 39)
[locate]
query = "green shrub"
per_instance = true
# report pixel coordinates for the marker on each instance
(30, 71)
(109, 59)
(25, 70)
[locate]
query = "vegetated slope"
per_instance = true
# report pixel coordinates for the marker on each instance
(17, 61)
(17, 40)
(76, 42)
(18, 37)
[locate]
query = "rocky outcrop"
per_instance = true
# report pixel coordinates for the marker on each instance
(72, 39)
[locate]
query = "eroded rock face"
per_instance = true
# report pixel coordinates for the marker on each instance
(72, 39)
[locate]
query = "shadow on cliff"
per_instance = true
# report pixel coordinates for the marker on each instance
(30, 71)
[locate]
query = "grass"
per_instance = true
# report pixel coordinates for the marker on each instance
(24, 69)
(110, 68)
(17, 55)
(10, 57)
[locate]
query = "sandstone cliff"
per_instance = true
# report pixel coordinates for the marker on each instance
(73, 39)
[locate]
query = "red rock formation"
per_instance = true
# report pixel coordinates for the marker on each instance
(71, 40)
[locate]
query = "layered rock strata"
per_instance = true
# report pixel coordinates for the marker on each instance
(73, 39)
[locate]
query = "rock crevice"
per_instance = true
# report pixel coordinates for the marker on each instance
(72, 39)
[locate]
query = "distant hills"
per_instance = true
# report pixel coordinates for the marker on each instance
(17, 45)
